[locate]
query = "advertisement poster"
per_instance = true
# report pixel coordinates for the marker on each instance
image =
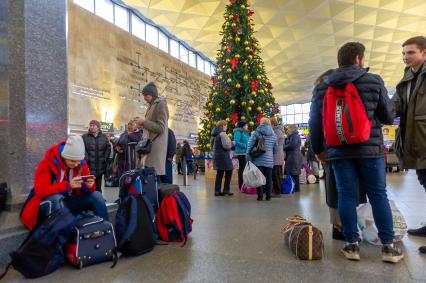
(389, 133)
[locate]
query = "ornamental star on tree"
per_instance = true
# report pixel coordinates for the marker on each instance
(240, 89)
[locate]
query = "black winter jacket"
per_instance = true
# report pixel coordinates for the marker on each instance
(98, 151)
(377, 104)
(221, 145)
(171, 144)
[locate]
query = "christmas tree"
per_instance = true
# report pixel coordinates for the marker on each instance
(240, 89)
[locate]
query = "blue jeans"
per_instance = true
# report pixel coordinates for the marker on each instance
(93, 202)
(168, 178)
(372, 175)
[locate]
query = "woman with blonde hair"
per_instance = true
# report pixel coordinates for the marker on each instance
(264, 162)
(222, 162)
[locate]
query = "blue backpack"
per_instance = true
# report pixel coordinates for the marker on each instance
(288, 185)
(135, 226)
(42, 251)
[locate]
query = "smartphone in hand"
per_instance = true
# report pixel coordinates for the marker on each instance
(87, 177)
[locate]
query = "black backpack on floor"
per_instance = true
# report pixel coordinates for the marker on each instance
(42, 251)
(134, 226)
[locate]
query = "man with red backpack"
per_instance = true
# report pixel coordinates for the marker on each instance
(347, 111)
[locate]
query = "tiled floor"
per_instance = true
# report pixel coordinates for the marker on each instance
(237, 239)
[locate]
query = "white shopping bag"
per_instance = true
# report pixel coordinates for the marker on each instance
(369, 229)
(252, 176)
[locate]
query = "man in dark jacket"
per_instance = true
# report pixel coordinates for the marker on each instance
(188, 156)
(171, 151)
(98, 150)
(364, 160)
(410, 105)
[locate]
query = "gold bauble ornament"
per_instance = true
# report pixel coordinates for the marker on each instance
(229, 80)
(210, 104)
(208, 126)
(232, 102)
(245, 78)
(243, 118)
(243, 103)
(237, 39)
(231, 17)
(246, 43)
(250, 57)
(230, 135)
(233, 25)
(267, 104)
(229, 70)
(218, 109)
(228, 120)
(253, 93)
(259, 109)
(228, 61)
(261, 91)
(251, 102)
(219, 78)
(251, 123)
(230, 37)
(209, 146)
(247, 48)
(219, 70)
(238, 85)
(249, 108)
(242, 6)
(258, 77)
(237, 56)
(245, 63)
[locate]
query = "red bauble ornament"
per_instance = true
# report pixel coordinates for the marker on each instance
(229, 48)
(234, 117)
(259, 117)
(213, 81)
(249, 13)
(237, 19)
(234, 63)
(254, 85)
(270, 86)
(227, 93)
(232, 1)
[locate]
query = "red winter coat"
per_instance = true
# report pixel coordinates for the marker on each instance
(45, 186)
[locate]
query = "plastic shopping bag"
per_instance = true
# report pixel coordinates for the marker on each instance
(287, 186)
(368, 227)
(252, 176)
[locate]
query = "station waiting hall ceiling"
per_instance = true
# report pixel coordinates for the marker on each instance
(300, 38)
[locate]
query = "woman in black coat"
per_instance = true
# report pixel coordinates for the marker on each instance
(293, 155)
(222, 162)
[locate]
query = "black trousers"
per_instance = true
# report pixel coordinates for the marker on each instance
(421, 175)
(218, 181)
(267, 188)
(277, 178)
(241, 165)
(98, 182)
(296, 183)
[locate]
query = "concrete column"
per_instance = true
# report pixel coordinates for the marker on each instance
(33, 87)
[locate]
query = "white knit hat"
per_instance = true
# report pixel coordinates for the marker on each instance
(74, 148)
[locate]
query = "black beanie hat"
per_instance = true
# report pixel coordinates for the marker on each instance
(150, 89)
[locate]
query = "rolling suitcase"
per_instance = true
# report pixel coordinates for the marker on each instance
(92, 241)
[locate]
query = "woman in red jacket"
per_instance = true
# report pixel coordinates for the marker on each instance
(59, 180)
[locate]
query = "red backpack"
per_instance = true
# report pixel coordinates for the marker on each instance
(174, 221)
(344, 118)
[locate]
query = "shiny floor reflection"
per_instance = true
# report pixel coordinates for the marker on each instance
(237, 239)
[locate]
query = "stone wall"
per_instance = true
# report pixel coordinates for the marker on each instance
(109, 66)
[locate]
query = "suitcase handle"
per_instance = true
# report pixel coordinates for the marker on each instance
(96, 234)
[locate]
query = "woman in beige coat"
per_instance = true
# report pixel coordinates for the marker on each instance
(155, 124)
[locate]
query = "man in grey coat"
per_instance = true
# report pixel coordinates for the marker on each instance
(410, 105)
(155, 125)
